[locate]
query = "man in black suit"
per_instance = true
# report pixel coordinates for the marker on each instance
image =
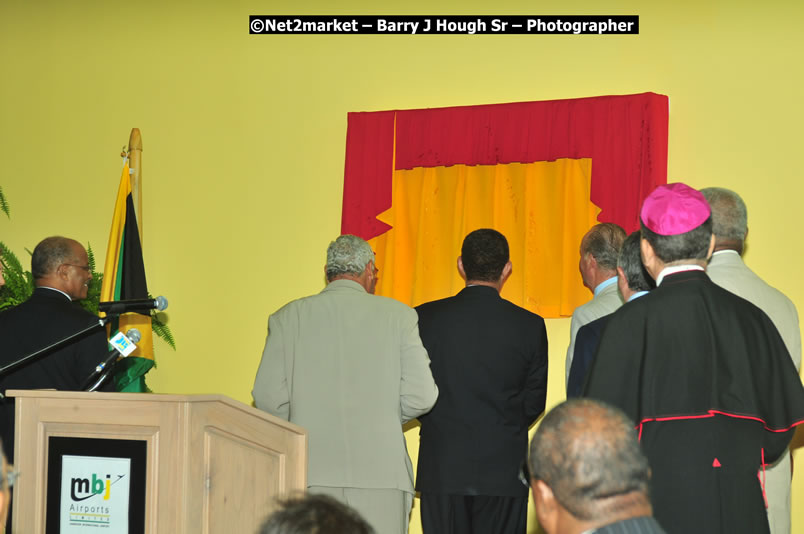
(489, 360)
(61, 272)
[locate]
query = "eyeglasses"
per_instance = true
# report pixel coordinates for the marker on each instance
(84, 267)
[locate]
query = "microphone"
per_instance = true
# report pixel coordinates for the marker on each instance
(116, 307)
(124, 344)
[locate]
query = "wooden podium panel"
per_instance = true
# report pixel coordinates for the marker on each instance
(213, 464)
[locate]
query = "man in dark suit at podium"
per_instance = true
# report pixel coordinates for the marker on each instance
(61, 272)
(489, 359)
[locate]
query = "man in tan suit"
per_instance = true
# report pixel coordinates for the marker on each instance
(600, 248)
(350, 368)
(726, 269)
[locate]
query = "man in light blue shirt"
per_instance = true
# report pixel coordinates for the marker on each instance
(600, 248)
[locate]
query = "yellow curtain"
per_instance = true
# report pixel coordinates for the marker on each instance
(542, 208)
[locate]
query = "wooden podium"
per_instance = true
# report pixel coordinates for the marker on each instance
(212, 464)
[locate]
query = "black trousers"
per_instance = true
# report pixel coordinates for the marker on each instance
(473, 514)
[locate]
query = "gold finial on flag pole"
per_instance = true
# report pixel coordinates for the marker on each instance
(135, 166)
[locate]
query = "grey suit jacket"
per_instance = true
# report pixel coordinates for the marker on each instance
(605, 303)
(350, 368)
(727, 269)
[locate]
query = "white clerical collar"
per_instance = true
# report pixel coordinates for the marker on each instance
(673, 269)
(725, 251)
(59, 290)
(603, 285)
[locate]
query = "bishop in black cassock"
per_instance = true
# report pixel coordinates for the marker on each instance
(704, 375)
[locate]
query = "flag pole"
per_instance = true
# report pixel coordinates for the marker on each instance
(134, 162)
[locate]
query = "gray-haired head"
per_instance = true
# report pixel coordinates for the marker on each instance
(729, 215)
(588, 454)
(630, 261)
(314, 514)
(348, 255)
(603, 241)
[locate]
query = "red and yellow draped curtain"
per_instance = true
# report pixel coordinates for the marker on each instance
(542, 173)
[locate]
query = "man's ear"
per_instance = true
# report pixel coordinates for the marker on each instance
(622, 281)
(621, 275)
(711, 247)
(506, 272)
(545, 505)
(460, 268)
(648, 256)
(591, 260)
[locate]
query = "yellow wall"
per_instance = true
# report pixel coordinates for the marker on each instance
(244, 136)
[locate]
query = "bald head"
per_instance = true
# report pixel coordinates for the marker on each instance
(585, 454)
(62, 263)
(729, 218)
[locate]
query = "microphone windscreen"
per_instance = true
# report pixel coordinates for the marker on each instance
(134, 335)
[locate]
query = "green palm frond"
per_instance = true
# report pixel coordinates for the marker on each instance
(162, 330)
(19, 282)
(4, 207)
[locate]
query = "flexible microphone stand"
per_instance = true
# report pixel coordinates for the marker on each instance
(101, 321)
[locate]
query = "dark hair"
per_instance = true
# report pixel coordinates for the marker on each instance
(588, 453)
(314, 514)
(630, 261)
(692, 245)
(49, 254)
(484, 254)
(604, 242)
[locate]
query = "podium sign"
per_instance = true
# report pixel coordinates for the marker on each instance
(95, 486)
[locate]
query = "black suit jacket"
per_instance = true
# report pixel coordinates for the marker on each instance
(45, 318)
(489, 360)
(586, 341)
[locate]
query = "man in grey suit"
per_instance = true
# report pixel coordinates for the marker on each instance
(600, 248)
(726, 269)
(350, 368)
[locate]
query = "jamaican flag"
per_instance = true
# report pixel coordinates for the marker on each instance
(124, 279)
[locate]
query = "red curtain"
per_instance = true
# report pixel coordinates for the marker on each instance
(624, 135)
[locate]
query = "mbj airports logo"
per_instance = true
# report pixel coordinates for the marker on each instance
(86, 510)
(81, 490)
(94, 494)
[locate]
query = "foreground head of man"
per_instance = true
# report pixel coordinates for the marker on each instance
(587, 469)
(729, 218)
(315, 514)
(351, 258)
(484, 259)
(62, 263)
(676, 228)
(599, 250)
